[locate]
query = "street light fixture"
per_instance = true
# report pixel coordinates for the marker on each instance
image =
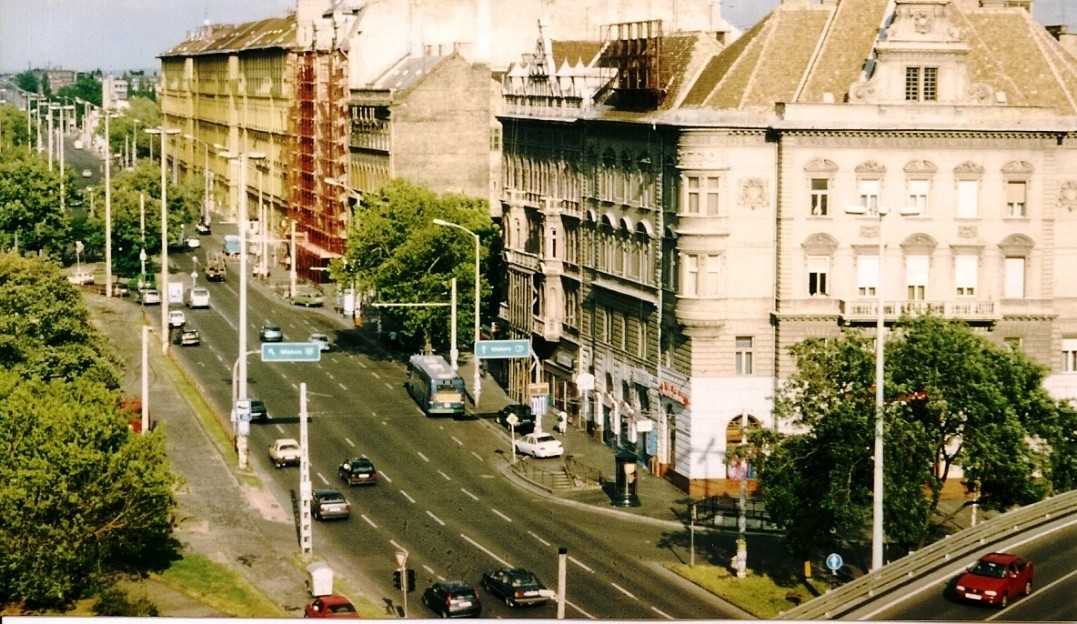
(163, 286)
(478, 289)
(877, 211)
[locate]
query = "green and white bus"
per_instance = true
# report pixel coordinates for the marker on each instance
(435, 386)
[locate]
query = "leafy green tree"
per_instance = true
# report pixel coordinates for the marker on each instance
(123, 128)
(81, 496)
(86, 87)
(27, 81)
(30, 214)
(395, 251)
(45, 331)
(953, 398)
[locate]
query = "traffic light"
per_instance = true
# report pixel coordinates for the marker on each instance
(396, 579)
(411, 580)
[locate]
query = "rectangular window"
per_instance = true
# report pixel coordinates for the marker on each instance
(820, 194)
(691, 275)
(921, 84)
(867, 276)
(1014, 287)
(607, 326)
(1015, 199)
(641, 339)
(965, 275)
(869, 194)
(693, 195)
(916, 277)
(818, 267)
(1013, 343)
(918, 190)
(711, 191)
(702, 195)
(1069, 355)
(710, 286)
(968, 200)
(621, 332)
(742, 357)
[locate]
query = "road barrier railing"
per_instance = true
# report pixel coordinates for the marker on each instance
(857, 592)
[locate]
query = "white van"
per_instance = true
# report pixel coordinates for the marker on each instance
(198, 298)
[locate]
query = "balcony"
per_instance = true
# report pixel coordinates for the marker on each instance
(971, 310)
(522, 260)
(548, 328)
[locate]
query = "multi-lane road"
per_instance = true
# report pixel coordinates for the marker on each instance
(441, 495)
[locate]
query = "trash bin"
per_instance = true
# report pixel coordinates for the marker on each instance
(319, 579)
(626, 466)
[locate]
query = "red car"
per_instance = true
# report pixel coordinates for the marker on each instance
(331, 606)
(995, 579)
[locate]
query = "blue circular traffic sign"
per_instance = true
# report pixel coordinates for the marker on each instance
(834, 562)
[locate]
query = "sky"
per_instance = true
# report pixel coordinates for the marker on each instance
(120, 35)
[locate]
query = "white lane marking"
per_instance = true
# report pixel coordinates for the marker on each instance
(375, 375)
(368, 521)
(383, 477)
(360, 363)
(662, 613)
(329, 375)
(389, 386)
(457, 440)
(477, 456)
(349, 441)
(324, 480)
(445, 476)
(436, 519)
(542, 541)
(342, 386)
(469, 494)
(410, 499)
(580, 563)
(485, 550)
(425, 458)
(622, 590)
(577, 607)
(503, 516)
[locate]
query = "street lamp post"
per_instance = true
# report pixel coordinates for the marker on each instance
(878, 481)
(205, 176)
(163, 287)
(243, 215)
(108, 208)
(347, 217)
(477, 387)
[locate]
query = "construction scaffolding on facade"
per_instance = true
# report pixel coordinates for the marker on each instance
(315, 161)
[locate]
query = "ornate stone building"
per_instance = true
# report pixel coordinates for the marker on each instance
(675, 229)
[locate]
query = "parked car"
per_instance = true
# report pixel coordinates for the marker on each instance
(284, 452)
(203, 228)
(120, 289)
(176, 318)
(524, 422)
(258, 411)
(193, 242)
(995, 579)
(331, 606)
(539, 445)
(81, 278)
(321, 339)
(329, 505)
(516, 586)
(453, 599)
(189, 337)
(308, 297)
(149, 296)
(86, 173)
(271, 333)
(358, 471)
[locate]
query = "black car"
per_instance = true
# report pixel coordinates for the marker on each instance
(358, 471)
(453, 599)
(188, 337)
(329, 505)
(525, 420)
(516, 586)
(258, 411)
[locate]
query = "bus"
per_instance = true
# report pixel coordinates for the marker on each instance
(435, 386)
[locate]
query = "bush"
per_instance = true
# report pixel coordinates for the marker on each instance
(116, 603)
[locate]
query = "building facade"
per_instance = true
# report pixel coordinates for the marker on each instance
(667, 245)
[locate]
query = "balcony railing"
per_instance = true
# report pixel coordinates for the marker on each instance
(971, 310)
(523, 260)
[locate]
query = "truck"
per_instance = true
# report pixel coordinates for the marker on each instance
(216, 268)
(232, 247)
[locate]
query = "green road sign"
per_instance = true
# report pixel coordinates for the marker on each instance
(291, 352)
(502, 349)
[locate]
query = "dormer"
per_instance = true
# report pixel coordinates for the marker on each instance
(920, 58)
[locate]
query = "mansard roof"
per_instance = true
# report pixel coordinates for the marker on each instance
(807, 52)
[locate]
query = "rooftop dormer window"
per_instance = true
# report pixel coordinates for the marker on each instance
(921, 84)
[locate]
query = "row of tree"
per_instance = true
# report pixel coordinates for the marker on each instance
(953, 400)
(82, 498)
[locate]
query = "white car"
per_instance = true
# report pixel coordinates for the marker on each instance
(176, 318)
(149, 296)
(81, 278)
(539, 444)
(197, 297)
(284, 452)
(193, 243)
(321, 339)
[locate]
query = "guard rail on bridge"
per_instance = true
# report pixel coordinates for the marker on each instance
(854, 594)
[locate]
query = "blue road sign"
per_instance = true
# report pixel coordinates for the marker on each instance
(502, 349)
(834, 562)
(291, 352)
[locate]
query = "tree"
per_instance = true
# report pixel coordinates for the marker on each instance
(86, 87)
(953, 398)
(395, 251)
(30, 213)
(27, 81)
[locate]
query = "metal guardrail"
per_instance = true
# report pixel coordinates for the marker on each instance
(857, 592)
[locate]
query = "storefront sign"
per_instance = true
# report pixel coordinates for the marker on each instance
(674, 392)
